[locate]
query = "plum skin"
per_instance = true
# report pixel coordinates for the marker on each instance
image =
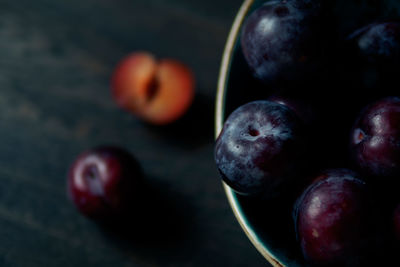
(332, 219)
(259, 147)
(375, 138)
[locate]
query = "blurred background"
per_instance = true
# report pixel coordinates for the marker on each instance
(56, 59)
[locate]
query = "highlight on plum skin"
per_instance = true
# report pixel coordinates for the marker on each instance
(158, 91)
(333, 220)
(375, 138)
(259, 148)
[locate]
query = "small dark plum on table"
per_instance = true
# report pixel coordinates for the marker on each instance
(103, 181)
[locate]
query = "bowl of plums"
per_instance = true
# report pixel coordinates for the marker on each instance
(308, 130)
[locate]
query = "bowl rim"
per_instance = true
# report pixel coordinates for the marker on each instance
(219, 119)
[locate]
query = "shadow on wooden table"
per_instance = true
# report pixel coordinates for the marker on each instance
(194, 129)
(161, 221)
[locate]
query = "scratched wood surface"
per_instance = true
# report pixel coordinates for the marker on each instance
(56, 57)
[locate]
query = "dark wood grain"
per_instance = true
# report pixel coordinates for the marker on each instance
(56, 58)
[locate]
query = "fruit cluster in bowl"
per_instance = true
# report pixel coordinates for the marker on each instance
(321, 136)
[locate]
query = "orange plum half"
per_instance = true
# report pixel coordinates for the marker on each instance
(157, 91)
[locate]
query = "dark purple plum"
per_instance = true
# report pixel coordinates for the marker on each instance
(259, 148)
(374, 51)
(375, 138)
(103, 181)
(367, 67)
(302, 109)
(280, 40)
(378, 42)
(333, 219)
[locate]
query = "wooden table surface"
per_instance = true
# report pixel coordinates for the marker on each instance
(56, 58)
